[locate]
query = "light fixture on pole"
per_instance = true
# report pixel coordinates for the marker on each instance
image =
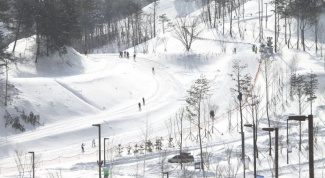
(310, 139)
(33, 158)
(99, 162)
(276, 149)
(166, 174)
(254, 145)
(105, 150)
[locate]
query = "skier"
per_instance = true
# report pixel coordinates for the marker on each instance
(93, 143)
(139, 106)
(212, 114)
(143, 101)
(153, 71)
(134, 56)
(82, 147)
(127, 54)
(121, 54)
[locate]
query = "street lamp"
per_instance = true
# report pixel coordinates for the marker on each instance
(254, 145)
(32, 152)
(166, 174)
(310, 140)
(105, 151)
(276, 149)
(99, 162)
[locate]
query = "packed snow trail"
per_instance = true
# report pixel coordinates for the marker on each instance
(115, 120)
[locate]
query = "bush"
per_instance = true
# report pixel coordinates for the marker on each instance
(31, 118)
(14, 121)
(16, 124)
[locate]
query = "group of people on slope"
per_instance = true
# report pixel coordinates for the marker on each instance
(143, 102)
(126, 54)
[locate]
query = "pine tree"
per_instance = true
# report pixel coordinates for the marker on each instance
(22, 12)
(4, 8)
(242, 84)
(3, 46)
(298, 86)
(199, 91)
(310, 89)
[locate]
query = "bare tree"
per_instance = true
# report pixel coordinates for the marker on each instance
(179, 118)
(57, 174)
(21, 161)
(146, 132)
(24, 162)
(162, 159)
(186, 30)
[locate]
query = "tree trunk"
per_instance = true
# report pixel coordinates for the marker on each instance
(303, 38)
(209, 13)
(16, 37)
(267, 102)
(6, 95)
(316, 35)
(298, 27)
(200, 138)
(231, 18)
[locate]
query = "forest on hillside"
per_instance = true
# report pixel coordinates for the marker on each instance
(87, 24)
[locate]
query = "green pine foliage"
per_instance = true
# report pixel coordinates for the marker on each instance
(3, 46)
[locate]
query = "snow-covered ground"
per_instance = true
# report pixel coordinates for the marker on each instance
(72, 92)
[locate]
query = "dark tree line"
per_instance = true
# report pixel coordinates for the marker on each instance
(83, 24)
(306, 14)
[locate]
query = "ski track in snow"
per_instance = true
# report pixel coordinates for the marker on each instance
(164, 82)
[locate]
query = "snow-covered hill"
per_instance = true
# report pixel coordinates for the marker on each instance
(72, 92)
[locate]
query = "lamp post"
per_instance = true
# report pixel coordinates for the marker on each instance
(166, 174)
(99, 148)
(276, 149)
(33, 154)
(105, 151)
(254, 145)
(310, 139)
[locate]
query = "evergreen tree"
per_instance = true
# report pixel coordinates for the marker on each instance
(310, 89)
(197, 93)
(306, 13)
(22, 12)
(298, 86)
(3, 46)
(4, 15)
(242, 84)
(58, 24)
